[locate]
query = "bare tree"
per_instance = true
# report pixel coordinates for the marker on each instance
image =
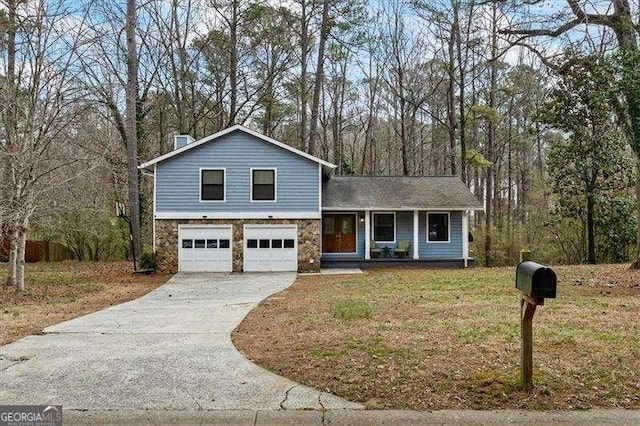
(491, 137)
(39, 100)
(131, 125)
(304, 43)
(325, 28)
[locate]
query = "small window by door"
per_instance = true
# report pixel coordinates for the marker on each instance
(384, 227)
(438, 227)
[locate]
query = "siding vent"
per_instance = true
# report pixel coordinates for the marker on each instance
(181, 140)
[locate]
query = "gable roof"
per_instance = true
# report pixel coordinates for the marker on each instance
(398, 192)
(227, 131)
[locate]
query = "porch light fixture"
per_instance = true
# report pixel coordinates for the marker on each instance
(361, 219)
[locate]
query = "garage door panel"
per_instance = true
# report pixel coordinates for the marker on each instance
(205, 249)
(271, 248)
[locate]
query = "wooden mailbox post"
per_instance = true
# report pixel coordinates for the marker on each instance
(536, 282)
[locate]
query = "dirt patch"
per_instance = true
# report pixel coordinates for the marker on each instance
(618, 277)
(436, 339)
(60, 291)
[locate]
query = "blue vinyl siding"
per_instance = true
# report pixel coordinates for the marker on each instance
(404, 228)
(178, 178)
(451, 250)
(359, 254)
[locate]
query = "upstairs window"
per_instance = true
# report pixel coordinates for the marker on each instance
(212, 185)
(438, 227)
(384, 227)
(263, 185)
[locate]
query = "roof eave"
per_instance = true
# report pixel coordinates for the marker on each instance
(146, 165)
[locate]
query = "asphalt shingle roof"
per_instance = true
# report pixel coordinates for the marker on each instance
(397, 192)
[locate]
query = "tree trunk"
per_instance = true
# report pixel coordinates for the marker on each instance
(510, 183)
(12, 235)
(10, 123)
(403, 121)
(636, 263)
(304, 35)
(315, 106)
(451, 95)
(491, 141)
(591, 243)
(457, 32)
(233, 64)
(21, 248)
(131, 124)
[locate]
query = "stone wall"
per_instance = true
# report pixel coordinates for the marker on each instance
(308, 240)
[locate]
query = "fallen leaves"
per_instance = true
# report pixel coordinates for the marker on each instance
(59, 291)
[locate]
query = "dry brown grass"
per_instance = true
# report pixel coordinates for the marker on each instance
(434, 339)
(61, 291)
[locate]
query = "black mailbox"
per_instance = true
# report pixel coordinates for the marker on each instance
(536, 280)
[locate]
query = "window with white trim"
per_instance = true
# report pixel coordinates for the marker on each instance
(212, 185)
(384, 227)
(263, 185)
(438, 227)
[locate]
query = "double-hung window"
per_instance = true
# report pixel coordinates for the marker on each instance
(263, 185)
(212, 185)
(438, 227)
(384, 227)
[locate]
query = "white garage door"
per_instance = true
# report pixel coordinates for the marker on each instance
(270, 248)
(205, 248)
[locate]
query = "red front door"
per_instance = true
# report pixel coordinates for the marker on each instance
(339, 233)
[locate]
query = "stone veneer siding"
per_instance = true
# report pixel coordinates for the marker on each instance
(308, 240)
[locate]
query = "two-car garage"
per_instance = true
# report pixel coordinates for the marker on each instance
(209, 248)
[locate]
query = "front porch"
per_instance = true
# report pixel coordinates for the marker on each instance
(418, 237)
(396, 262)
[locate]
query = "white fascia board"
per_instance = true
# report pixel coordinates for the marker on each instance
(238, 215)
(227, 131)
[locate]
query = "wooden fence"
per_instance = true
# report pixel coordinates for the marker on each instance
(38, 251)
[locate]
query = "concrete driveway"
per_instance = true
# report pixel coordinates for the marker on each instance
(169, 350)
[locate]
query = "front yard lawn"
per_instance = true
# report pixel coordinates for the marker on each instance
(436, 339)
(59, 291)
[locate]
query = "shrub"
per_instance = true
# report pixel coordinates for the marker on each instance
(149, 260)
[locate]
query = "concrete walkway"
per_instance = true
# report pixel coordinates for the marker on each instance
(169, 350)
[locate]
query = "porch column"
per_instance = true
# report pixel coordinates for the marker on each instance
(416, 234)
(367, 234)
(465, 237)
